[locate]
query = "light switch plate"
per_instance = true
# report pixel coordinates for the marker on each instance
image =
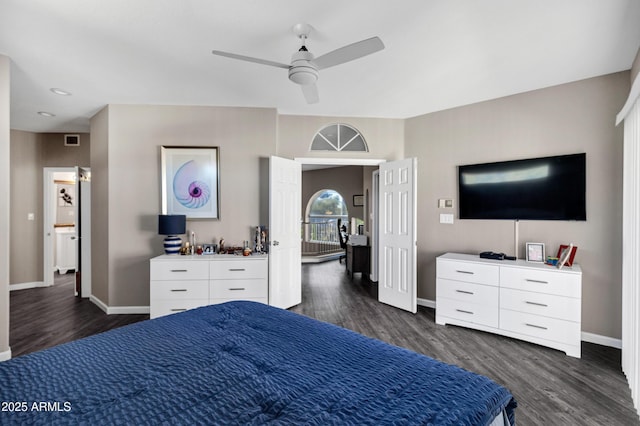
(446, 218)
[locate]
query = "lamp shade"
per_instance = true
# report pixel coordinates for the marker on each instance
(172, 224)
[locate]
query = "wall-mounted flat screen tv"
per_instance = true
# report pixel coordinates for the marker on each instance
(549, 188)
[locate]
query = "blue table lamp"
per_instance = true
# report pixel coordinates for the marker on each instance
(172, 225)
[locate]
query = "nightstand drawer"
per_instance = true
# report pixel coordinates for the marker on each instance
(179, 290)
(553, 329)
(239, 269)
(238, 289)
(469, 272)
(467, 292)
(548, 305)
(176, 270)
(165, 307)
(469, 312)
(541, 281)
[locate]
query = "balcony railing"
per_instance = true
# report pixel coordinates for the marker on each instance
(320, 238)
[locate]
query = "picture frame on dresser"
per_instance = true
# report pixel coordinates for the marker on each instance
(190, 180)
(535, 252)
(566, 255)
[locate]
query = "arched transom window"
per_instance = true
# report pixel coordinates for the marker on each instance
(338, 137)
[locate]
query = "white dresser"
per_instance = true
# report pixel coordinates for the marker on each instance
(179, 283)
(525, 300)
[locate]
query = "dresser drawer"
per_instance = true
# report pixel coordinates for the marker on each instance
(239, 269)
(179, 290)
(470, 272)
(548, 305)
(176, 270)
(165, 307)
(469, 312)
(553, 329)
(467, 292)
(541, 281)
(238, 289)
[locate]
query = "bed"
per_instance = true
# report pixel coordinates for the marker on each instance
(243, 363)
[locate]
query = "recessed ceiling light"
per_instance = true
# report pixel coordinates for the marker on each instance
(46, 114)
(60, 92)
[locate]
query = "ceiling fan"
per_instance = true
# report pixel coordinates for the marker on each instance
(304, 67)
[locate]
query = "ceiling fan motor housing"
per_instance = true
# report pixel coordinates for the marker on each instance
(303, 71)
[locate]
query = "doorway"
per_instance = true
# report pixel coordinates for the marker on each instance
(66, 225)
(319, 163)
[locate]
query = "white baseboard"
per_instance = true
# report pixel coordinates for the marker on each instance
(127, 310)
(99, 303)
(427, 303)
(24, 286)
(119, 310)
(585, 337)
(601, 340)
(5, 356)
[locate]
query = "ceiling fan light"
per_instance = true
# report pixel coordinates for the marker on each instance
(303, 75)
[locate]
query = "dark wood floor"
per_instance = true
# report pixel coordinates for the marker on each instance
(44, 317)
(551, 388)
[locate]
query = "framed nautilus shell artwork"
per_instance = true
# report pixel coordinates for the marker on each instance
(190, 181)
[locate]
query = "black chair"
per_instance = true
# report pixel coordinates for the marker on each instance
(344, 237)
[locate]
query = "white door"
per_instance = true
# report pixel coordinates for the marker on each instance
(375, 209)
(83, 232)
(397, 239)
(285, 254)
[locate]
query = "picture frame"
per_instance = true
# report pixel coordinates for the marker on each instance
(190, 181)
(566, 255)
(358, 200)
(535, 252)
(208, 249)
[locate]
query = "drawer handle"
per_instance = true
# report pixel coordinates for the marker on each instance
(464, 292)
(536, 281)
(179, 270)
(536, 326)
(178, 309)
(237, 288)
(178, 289)
(464, 272)
(536, 304)
(464, 312)
(236, 269)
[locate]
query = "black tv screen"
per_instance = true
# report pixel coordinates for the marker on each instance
(549, 188)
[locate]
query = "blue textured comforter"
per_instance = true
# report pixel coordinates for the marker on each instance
(241, 363)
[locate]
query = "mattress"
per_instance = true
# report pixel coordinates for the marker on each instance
(242, 363)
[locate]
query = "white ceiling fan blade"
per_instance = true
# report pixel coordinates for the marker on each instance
(310, 92)
(250, 59)
(349, 53)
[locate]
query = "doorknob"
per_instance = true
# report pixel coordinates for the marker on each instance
(276, 243)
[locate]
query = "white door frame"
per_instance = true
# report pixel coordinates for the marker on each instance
(48, 232)
(48, 220)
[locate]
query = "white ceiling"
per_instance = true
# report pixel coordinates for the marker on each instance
(439, 53)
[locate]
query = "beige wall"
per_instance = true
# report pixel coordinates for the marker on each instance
(571, 118)
(345, 180)
(100, 205)
(56, 154)
(5, 152)
(384, 137)
(131, 139)
(635, 67)
(30, 152)
(26, 197)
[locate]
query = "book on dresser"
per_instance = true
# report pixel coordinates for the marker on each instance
(528, 301)
(179, 283)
